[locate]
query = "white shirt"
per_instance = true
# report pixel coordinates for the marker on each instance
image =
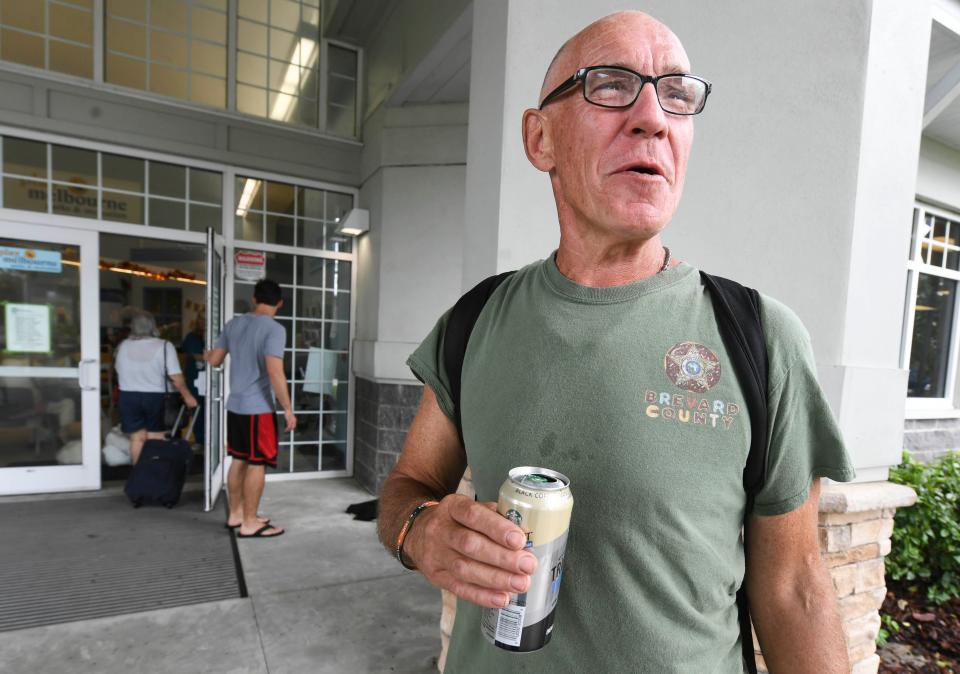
(139, 364)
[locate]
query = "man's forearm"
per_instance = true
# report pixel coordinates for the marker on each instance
(800, 631)
(399, 496)
(278, 382)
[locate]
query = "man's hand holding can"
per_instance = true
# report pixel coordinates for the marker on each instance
(466, 547)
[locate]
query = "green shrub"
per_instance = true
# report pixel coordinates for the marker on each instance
(926, 538)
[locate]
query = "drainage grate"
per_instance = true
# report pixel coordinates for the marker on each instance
(77, 559)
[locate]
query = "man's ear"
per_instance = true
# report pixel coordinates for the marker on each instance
(537, 140)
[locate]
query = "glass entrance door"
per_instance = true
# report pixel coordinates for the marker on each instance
(213, 404)
(49, 359)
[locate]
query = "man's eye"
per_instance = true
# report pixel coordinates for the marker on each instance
(679, 94)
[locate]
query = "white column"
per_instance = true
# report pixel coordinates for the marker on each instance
(800, 184)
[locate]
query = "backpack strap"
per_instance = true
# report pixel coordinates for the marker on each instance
(463, 317)
(737, 309)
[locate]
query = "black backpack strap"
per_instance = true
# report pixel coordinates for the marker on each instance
(737, 309)
(463, 317)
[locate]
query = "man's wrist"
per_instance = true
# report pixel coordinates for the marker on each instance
(407, 539)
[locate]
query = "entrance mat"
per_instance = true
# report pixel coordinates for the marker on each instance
(76, 559)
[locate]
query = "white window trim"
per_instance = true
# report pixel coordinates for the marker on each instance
(930, 408)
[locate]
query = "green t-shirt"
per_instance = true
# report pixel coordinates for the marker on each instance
(629, 392)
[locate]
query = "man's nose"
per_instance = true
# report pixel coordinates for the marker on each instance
(646, 117)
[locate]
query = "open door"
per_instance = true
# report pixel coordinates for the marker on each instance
(213, 452)
(49, 359)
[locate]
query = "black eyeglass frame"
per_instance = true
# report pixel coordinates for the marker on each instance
(581, 76)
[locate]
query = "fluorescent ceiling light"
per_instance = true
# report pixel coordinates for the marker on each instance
(250, 188)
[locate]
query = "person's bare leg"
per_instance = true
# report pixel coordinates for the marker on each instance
(238, 471)
(137, 438)
(252, 491)
(235, 478)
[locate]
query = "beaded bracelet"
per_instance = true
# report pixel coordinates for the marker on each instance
(406, 528)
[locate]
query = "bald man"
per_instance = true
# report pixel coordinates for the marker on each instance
(604, 362)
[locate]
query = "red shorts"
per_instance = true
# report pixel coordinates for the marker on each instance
(253, 438)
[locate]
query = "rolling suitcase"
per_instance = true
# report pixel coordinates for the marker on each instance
(158, 476)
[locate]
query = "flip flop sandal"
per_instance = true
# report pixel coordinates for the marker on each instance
(259, 533)
(231, 527)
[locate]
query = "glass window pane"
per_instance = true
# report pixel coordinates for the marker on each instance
(122, 173)
(206, 186)
(126, 37)
(336, 336)
(341, 121)
(126, 72)
(202, 217)
(168, 48)
(280, 269)
(932, 331)
(57, 289)
(77, 201)
(69, 23)
(170, 14)
(306, 458)
(249, 194)
(210, 91)
(285, 14)
(338, 243)
(71, 59)
(168, 82)
(279, 230)
(252, 9)
(342, 61)
(208, 58)
(165, 213)
(251, 69)
(21, 48)
(334, 456)
(249, 226)
(341, 91)
(308, 425)
(338, 205)
(280, 198)
(122, 207)
(338, 275)
(935, 256)
(168, 180)
(283, 44)
(338, 393)
(251, 101)
(308, 334)
(251, 37)
(334, 426)
(24, 194)
(74, 165)
(131, 9)
(953, 259)
(209, 25)
(310, 271)
(337, 306)
(283, 107)
(25, 15)
(242, 297)
(25, 157)
(310, 233)
(310, 304)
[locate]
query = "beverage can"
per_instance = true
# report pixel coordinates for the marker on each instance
(539, 501)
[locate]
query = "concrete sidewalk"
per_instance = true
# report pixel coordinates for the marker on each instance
(325, 597)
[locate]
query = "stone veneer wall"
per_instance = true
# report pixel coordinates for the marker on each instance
(929, 439)
(855, 526)
(384, 414)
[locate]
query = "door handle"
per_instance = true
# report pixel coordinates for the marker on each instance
(81, 370)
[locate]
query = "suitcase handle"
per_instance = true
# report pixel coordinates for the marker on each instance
(193, 420)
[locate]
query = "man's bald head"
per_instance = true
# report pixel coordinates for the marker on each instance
(570, 55)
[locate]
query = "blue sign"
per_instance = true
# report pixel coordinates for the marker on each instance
(30, 259)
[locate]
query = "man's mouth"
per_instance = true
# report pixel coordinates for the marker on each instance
(643, 168)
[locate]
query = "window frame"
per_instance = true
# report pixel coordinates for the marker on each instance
(945, 406)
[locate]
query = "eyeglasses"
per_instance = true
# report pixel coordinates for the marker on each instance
(616, 87)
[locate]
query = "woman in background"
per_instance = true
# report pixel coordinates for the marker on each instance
(144, 362)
